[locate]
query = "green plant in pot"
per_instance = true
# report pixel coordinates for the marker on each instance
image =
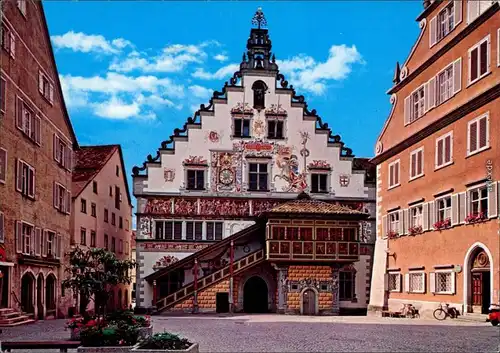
(165, 341)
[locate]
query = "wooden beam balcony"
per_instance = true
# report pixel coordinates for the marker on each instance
(312, 250)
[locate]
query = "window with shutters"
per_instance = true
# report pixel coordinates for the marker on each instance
(416, 216)
(8, 41)
(2, 227)
(319, 182)
(445, 21)
(3, 95)
(93, 238)
(478, 131)
(83, 236)
(3, 165)
(417, 163)
(214, 231)
(417, 104)
(394, 282)
(194, 230)
(50, 243)
(444, 282)
(478, 199)
(106, 213)
(45, 87)
(394, 174)
(62, 198)
(25, 179)
(27, 121)
(241, 127)
(275, 128)
(195, 179)
(444, 150)
(443, 209)
(258, 177)
(28, 235)
(445, 84)
(477, 7)
(479, 60)
(416, 282)
(63, 154)
(394, 222)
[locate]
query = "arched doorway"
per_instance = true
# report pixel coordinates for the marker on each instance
(120, 304)
(308, 302)
(255, 295)
(50, 295)
(28, 293)
(39, 296)
(479, 286)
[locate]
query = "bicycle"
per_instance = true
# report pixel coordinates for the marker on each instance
(441, 313)
(409, 311)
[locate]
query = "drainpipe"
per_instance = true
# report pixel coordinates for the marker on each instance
(231, 273)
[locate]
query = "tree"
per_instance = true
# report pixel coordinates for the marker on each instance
(93, 273)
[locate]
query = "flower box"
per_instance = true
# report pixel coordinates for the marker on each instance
(115, 349)
(193, 349)
(415, 230)
(475, 217)
(392, 234)
(440, 225)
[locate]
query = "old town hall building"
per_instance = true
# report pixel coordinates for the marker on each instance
(254, 205)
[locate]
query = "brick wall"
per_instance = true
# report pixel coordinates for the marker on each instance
(206, 297)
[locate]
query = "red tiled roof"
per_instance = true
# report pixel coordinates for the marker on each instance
(313, 207)
(88, 162)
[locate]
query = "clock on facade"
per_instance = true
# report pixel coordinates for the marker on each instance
(226, 176)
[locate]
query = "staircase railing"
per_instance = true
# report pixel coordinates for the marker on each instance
(17, 301)
(188, 290)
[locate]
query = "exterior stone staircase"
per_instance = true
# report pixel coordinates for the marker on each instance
(10, 318)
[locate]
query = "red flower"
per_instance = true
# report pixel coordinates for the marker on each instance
(79, 324)
(91, 323)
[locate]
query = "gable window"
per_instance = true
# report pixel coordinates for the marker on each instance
(83, 236)
(8, 41)
(415, 282)
(113, 244)
(27, 121)
(257, 177)
(195, 179)
(444, 150)
(275, 129)
(418, 104)
(347, 285)
(394, 222)
(416, 216)
(106, 215)
(93, 238)
(394, 174)
(479, 60)
(62, 153)
(3, 165)
(83, 205)
(25, 179)
(3, 95)
(394, 282)
(117, 171)
(194, 230)
(94, 187)
(479, 201)
(45, 87)
(62, 198)
(259, 93)
(476, 7)
(106, 242)
(93, 210)
(214, 231)
(478, 134)
(417, 163)
(443, 208)
(241, 127)
(445, 21)
(113, 219)
(319, 182)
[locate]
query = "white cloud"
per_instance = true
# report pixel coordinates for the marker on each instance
(86, 43)
(223, 72)
(221, 57)
(116, 108)
(200, 92)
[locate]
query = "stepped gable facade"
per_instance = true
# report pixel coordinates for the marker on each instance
(203, 202)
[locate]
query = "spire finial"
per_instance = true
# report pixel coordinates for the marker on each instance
(259, 19)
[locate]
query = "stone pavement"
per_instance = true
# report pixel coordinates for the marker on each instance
(279, 333)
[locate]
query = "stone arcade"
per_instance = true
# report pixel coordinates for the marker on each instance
(255, 195)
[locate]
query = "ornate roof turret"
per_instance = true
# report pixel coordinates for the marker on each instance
(259, 56)
(397, 74)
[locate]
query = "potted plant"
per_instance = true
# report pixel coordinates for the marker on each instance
(127, 317)
(415, 230)
(440, 225)
(475, 217)
(104, 337)
(165, 342)
(392, 234)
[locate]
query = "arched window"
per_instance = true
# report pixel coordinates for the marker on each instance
(259, 92)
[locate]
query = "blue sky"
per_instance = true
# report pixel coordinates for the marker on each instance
(134, 71)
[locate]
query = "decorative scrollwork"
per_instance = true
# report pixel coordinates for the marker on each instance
(404, 72)
(422, 24)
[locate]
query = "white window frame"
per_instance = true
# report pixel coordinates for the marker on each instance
(25, 188)
(398, 162)
(3, 96)
(247, 173)
(50, 242)
(9, 43)
(476, 120)
(397, 281)
(46, 87)
(413, 217)
(63, 200)
(319, 173)
(446, 209)
(195, 169)
(449, 82)
(276, 120)
(416, 152)
(28, 243)
(483, 5)
(438, 23)
(469, 199)
(421, 104)
(498, 47)
(408, 277)
(393, 225)
(488, 60)
(443, 138)
(5, 165)
(451, 273)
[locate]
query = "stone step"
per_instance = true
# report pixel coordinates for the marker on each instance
(6, 310)
(473, 317)
(18, 323)
(14, 319)
(4, 316)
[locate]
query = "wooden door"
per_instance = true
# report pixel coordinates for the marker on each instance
(309, 302)
(477, 288)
